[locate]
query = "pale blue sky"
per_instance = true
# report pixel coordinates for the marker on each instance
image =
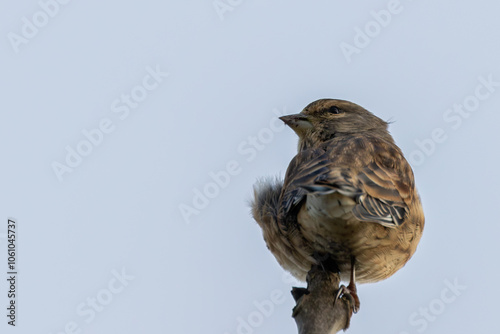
(119, 116)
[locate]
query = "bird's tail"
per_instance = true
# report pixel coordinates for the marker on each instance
(286, 245)
(266, 201)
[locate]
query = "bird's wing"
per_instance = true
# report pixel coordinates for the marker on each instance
(372, 172)
(304, 168)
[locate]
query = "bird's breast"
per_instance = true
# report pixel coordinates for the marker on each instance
(327, 223)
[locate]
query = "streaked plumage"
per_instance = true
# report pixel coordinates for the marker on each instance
(348, 193)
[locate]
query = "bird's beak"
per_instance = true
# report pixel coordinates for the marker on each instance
(297, 122)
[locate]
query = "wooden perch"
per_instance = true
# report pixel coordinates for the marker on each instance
(316, 311)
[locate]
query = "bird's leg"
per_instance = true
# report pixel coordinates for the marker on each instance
(322, 259)
(352, 286)
(350, 291)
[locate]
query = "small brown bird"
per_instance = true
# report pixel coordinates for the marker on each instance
(348, 196)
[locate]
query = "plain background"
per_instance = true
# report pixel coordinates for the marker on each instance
(230, 74)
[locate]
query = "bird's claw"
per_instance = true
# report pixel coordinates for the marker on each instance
(351, 296)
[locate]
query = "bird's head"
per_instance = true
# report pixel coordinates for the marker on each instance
(325, 119)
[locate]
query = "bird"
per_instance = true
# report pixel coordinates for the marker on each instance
(348, 196)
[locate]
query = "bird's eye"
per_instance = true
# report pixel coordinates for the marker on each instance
(334, 110)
